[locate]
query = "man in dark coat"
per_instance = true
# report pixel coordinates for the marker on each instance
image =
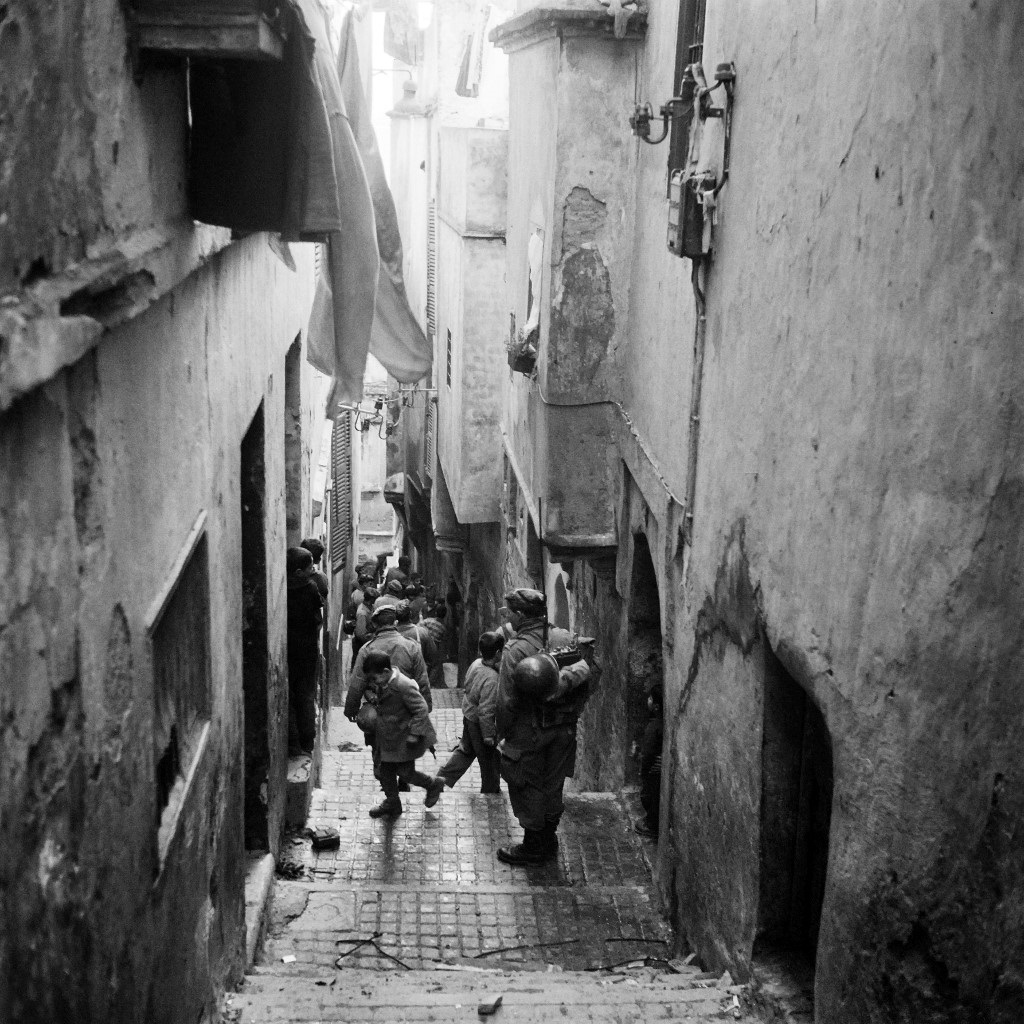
(316, 548)
(305, 615)
(650, 763)
(537, 736)
(404, 732)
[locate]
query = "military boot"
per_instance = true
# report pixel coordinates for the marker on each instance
(550, 840)
(529, 851)
(386, 809)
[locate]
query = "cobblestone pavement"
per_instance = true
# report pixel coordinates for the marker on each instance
(415, 919)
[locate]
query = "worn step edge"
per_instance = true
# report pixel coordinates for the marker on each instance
(588, 990)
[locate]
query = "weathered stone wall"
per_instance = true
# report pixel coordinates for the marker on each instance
(860, 457)
(472, 308)
(103, 473)
(90, 156)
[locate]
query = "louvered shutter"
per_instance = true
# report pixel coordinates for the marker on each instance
(432, 272)
(341, 493)
(430, 433)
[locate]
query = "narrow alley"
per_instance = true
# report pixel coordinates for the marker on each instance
(640, 380)
(416, 920)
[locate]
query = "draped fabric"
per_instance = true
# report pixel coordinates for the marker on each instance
(288, 147)
(398, 340)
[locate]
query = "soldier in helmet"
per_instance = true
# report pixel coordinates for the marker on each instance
(538, 707)
(527, 617)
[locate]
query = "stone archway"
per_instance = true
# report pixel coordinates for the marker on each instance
(644, 667)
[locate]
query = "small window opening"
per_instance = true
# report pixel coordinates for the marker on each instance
(180, 638)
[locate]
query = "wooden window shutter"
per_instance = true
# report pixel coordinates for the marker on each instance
(341, 492)
(432, 272)
(430, 438)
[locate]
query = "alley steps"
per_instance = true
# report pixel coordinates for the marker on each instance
(415, 919)
(289, 994)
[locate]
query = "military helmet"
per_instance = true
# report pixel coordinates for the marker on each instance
(535, 678)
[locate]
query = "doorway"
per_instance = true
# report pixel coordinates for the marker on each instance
(644, 667)
(796, 815)
(254, 631)
(293, 454)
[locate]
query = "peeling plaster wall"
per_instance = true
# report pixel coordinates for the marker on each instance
(102, 474)
(570, 181)
(858, 471)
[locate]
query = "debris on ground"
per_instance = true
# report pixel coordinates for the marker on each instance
(487, 1007)
(290, 870)
(323, 837)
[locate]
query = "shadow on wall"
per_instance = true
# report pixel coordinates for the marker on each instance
(644, 667)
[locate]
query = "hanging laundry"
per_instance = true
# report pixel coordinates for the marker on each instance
(341, 321)
(397, 340)
(401, 32)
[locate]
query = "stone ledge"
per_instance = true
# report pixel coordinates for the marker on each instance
(57, 320)
(259, 880)
(568, 18)
(300, 790)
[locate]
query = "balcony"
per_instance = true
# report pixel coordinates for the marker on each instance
(569, 255)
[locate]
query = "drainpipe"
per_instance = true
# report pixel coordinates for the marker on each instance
(699, 337)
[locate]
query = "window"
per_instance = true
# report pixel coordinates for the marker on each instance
(448, 371)
(689, 50)
(179, 634)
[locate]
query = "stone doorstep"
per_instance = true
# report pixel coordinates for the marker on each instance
(304, 773)
(299, 791)
(259, 883)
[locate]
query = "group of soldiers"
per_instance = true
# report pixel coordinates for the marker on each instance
(521, 704)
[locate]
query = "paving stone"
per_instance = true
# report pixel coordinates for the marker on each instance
(415, 919)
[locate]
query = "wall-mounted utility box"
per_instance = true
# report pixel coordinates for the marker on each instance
(239, 29)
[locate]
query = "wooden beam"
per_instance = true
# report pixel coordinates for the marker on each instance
(203, 34)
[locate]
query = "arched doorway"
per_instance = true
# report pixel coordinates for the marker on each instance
(644, 667)
(796, 816)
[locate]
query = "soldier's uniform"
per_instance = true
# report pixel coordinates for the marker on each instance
(537, 741)
(405, 655)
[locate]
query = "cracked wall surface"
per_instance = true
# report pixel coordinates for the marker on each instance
(860, 450)
(103, 472)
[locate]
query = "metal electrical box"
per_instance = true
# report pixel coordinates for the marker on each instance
(689, 214)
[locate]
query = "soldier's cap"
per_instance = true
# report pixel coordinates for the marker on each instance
(525, 601)
(396, 587)
(388, 611)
